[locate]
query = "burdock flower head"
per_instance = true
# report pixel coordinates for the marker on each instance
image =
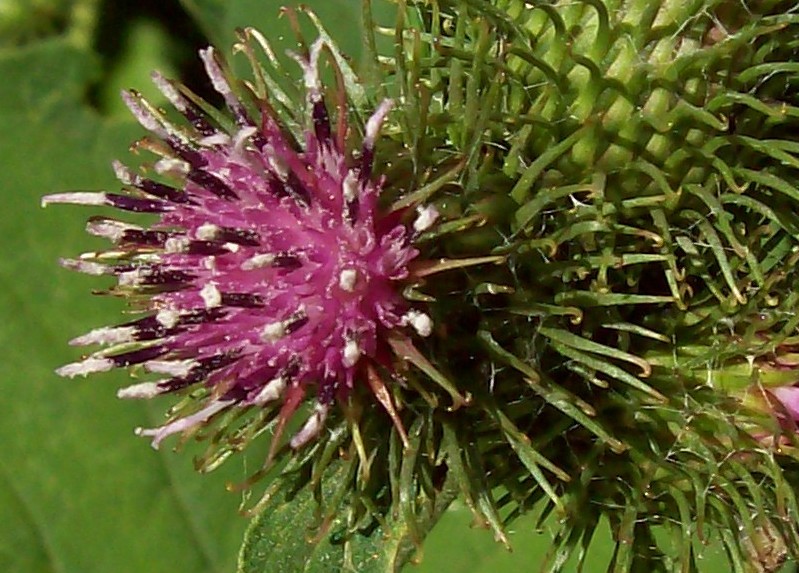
(272, 273)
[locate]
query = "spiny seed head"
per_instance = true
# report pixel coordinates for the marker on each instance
(271, 269)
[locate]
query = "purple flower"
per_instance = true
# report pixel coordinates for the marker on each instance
(788, 397)
(271, 271)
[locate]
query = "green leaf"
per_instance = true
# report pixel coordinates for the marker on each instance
(78, 491)
(288, 536)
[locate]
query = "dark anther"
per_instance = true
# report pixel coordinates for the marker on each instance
(138, 356)
(212, 183)
(207, 248)
(205, 366)
(192, 156)
(160, 190)
(144, 238)
(242, 299)
(297, 321)
(166, 277)
(351, 209)
(136, 204)
(367, 158)
(321, 121)
(286, 261)
(243, 237)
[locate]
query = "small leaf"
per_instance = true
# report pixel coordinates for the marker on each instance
(286, 536)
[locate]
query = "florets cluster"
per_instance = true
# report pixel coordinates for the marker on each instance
(271, 269)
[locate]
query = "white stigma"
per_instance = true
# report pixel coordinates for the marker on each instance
(311, 427)
(130, 278)
(145, 390)
(421, 323)
(347, 280)
(167, 317)
(89, 268)
(110, 229)
(175, 245)
(171, 166)
(178, 368)
(277, 164)
(352, 352)
(215, 139)
(122, 173)
(426, 216)
(273, 331)
(88, 366)
(211, 295)
(240, 140)
(106, 335)
(257, 262)
(272, 391)
(183, 424)
(207, 232)
(349, 187)
(375, 121)
(148, 257)
(77, 198)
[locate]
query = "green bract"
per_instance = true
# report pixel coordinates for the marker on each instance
(635, 165)
(612, 283)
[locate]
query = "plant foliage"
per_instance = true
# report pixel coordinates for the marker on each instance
(635, 165)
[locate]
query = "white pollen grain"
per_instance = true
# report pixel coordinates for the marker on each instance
(177, 368)
(130, 278)
(175, 245)
(183, 424)
(109, 229)
(145, 390)
(88, 366)
(105, 335)
(95, 269)
(167, 317)
(347, 280)
(277, 164)
(311, 428)
(421, 323)
(215, 139)
(271, 392)
(171, 166)
(148, 258)
(375, 121)
(425, 218)
(211, 295)
(122, 173)
(78, 198)
(349, 187)
(207, 232)
(244, 134)
(352, 352)
(273, 331)
(258, 262)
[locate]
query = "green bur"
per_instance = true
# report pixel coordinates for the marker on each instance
(625, 173)
(635, 165)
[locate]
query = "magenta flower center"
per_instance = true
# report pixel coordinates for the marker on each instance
(271, 269)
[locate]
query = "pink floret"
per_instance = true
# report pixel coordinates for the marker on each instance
(271, 269)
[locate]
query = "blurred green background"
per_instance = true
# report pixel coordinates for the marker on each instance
(78, 492)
